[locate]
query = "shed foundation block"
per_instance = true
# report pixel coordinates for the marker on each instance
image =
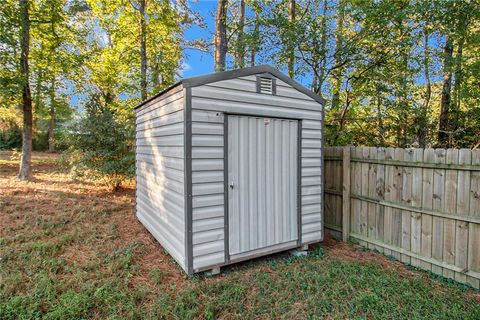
(213, 272)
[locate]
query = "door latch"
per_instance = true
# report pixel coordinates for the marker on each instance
(231, 185)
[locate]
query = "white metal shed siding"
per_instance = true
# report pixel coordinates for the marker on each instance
(239, 96)
(262, 160)
(160, 161)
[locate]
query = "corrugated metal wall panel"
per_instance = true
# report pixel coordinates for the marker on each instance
(208, 212)
(174, 163)
(174, 118)
(227, 94)
(159, 102)
(312, 181)
(212, 259)
(159, 153)
(249, 84)
(207, 187)
(205, 236)
(209, 164)
(172, 107)
(263, 170)
(169, 173)
(241, 107)
(164, 130)
(160, 171)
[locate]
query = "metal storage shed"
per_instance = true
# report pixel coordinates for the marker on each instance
(229, 167)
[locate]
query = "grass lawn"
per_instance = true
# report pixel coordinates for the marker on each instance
(71, 250)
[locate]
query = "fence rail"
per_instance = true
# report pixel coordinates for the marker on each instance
(421, 206)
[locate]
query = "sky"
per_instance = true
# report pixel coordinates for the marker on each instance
(197, 62)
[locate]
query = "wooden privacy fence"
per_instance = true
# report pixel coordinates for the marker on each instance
(421, 206)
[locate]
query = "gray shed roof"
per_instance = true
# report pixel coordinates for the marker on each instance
(225, 75)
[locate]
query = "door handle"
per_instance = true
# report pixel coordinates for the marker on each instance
(231, 185)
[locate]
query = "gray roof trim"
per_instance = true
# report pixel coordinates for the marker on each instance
(226, 75)
(158, 94)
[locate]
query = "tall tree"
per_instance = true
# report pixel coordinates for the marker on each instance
(338, 57)
(423, 122)
(446, 97)
(240, 48)
(221, 36)
(51, 121)
(27, 133)
(290, 46)
(143, 51)
(255, 36)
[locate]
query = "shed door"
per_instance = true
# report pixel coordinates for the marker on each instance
(262, 191)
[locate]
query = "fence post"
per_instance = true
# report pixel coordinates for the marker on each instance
(346, 194)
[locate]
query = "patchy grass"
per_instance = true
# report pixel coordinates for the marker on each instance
(70, 250)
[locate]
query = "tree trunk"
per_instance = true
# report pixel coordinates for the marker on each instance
(240, 56)
(443, 128)
(290, 47)
(457, 86)
(381, 130)
(254, 44)
(37, 96)
(423, 123)
(25, 171)
(404, 110)
(143, 51)
(155, 74)
(51, 122)
(337, 73)
(220, 36)
(323, 48)
(342, 118)
(461, 33)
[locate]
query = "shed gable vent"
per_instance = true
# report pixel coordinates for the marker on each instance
(265, 85)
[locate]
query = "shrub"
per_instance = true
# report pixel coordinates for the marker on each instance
(101, 146)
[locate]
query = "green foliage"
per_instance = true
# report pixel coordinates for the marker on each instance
(101, 146)
(10, 133)
(83, 48)
(372, 61)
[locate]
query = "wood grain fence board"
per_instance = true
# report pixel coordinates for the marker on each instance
(407, 200)
(396, 226)
(463, 207)
(372, 181)
(473, 259)
(389, 189)
(380, 194)
(451, 177)
(329, 180)
(346, 193)
(474, 253)
(339, 187)
(416, 218)
(427, 203)
(475, 186)
(438, 204)
(364, 191)
(356, 183)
